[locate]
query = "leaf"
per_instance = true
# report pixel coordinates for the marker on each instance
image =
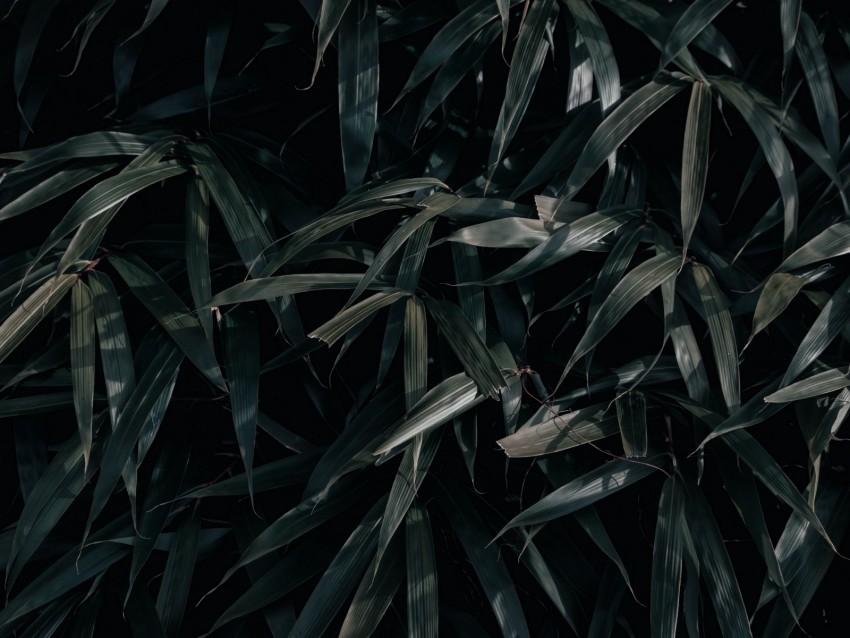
(511, 232)
(789, 12)
(695, 156)
(492, 573)
(608, 599)
(197, 251)
(415, 352)
(722, 335)
(636, 285)
(451, 397)
(473, 354)
(778, 292)
(115, 354)
(357, 44)
(631, 415)
(333, 588)
(816, 71)
(612, 270)
(599, 48)
(561, 432)
(667, 560)
(31, 30)
(596, 485)
(617, 126)
(775, 152)
(329, 19)
(693, 20)
(26, 316)
(374, 595)
(832, 242)
(715, 564)
(422, 605)
(52, 187)
(815, 385)
(177, 579)
(688, 355)
(833, 316)
(242, 346)
(267, 288)
(467, 267)
(154, 9)
(526, 65)
(170, 312)
(332, 330)
(566, 241)
(141, 614)
(132, 420)
(82, 363)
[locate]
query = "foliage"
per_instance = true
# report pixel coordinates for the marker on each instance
(479, 317)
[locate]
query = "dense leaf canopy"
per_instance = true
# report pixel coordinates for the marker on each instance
(456, 317)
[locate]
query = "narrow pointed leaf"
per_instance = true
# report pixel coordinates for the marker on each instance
(777, 294)
(688, 355)
(82, 362)
(332, 330)
(422, 608)
(832, 242)
(631, 415)
(415, 352)
(197, 251)
(330, 16)
(722, 335)
(816, 71)
(612, 270)
(815, 385)
(789, 12)
(601, 53)
(242, 345)
(358, 87)
(695, 158)
(177, 579)
(170, 311)
(693, 20)
(667, 560)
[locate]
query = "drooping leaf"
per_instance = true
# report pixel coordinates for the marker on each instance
(82, 363)
(693, 20)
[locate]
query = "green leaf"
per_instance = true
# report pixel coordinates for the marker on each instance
(511, 232)
(486, 560)
(636, 285)
(197, 251)
(608, 599)
(561, 432)
(154, 9)
(82, 363)
(415, 352)
(621, 123)
(695, 157)
(267, 288)
(448, 399)
(374, 595)
(177, 579)
(473, 354)
(693, 20)
(778, 292)
(583, 491)
(327, 24)
(526, 65)
(789, 12)
(86, 617)
(332, 330)
(833, 316)
(422, 605)
(612, 270)
(116, 356)
(566, 241)
(832, 242)
(600, 51)
(333, 588)
(31, 30)
(688, 355)
(242, 346)
(357, 44)
(667, 560)
(775, 152)
(631, 415)
(815, 385)
(816, 71)
(715, 564)
(722, 334)
(132, 420)
(170, 312)
(26, 316)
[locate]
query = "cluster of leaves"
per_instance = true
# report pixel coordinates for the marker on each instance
(506, 324)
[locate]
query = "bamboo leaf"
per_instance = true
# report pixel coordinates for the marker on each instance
(82, 363)
(816, 71)
(832, 242)
(197, 251)
(636, 285)
(358, 87)
(242, 345)
(688, 355)
(332, 330)
(612, 270)
(422, 605)
(631, 415)
(714, 561)
(599, 48)
(693, 20)
(329, 18)
(815, 385)
(561, 432)
(170, 312)
(789, 12)
(722, 335)
(177, 579)
(26, 316)
(473, 354)
(617, 126)
(667, 560)
(695, 157)
(583, 491)
(415, 352)
(778, 292)
(526, 64)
